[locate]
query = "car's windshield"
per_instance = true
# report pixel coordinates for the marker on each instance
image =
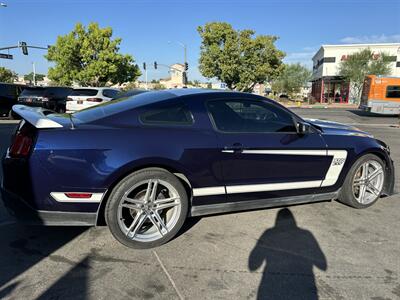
(119, 105)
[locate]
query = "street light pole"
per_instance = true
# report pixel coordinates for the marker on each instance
(184, 58)
(34, 73)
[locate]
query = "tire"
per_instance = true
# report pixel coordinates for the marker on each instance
(351, 193)
(137, 188)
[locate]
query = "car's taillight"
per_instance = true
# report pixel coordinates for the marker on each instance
(94, 99)
(22, 143)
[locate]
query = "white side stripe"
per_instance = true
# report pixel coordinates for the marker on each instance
(331, 177)
(287, 152)
(61, 197)
(208, 191)
(338, 160)
(235, 189)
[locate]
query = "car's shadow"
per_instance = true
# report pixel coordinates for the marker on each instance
(22, 247)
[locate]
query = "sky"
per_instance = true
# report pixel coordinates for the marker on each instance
(151, 30)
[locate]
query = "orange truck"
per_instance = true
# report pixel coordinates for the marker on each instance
(381, 95)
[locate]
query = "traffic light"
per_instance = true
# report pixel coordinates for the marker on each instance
(24, 48)
(144, 66)
(155, 65)
(186, 66)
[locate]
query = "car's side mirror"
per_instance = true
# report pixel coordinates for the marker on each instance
(302, 128)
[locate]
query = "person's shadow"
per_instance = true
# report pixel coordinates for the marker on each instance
(290, 253)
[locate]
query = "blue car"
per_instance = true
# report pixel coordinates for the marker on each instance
(143, 164)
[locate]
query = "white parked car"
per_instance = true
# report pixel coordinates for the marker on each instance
(85, 97)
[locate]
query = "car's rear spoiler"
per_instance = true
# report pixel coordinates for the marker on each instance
(36, 116)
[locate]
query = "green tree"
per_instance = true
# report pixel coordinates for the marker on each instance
(360, 64)
(7, 75)
(158, 86)
(237, 57)
(292, 79)
(90, 57)
(38, 77)
(130, 86)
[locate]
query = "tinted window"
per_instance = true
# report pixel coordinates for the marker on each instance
(393, 91)
(249, 116)
(84, 92)
(176, 113)
(110, 93)
(33, 92)
(123, 104)
(58, 92)
(48, 92)
(8, 90)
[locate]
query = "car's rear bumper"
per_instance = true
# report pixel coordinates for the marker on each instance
(24, 213)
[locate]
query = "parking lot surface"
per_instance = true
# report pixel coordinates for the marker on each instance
(324, 250)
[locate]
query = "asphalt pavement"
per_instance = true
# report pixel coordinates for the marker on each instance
(323, 250)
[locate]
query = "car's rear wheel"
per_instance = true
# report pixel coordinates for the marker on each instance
(147, 208)
(364, 182)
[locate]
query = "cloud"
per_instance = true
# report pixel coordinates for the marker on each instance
(366, 39)
(302, 57)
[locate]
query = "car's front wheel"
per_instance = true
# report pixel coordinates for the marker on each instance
(364, 182)
(147, 208)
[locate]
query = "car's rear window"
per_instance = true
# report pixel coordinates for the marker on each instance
(84, 92)
(33, 92)
(48, 92)
(120, 105)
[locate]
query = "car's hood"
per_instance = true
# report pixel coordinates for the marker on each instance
(330, 127)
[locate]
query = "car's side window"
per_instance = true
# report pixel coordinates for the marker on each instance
(110, 93)
(169, 114)
(249, 116)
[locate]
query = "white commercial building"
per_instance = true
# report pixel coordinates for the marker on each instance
(327, 85)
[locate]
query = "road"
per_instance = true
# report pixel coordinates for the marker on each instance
(324, 250)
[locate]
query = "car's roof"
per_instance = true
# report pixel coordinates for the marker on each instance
(184, 92)
(95, 88)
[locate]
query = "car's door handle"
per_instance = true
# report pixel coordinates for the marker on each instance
(235, 148)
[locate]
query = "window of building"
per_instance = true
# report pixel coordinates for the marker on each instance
(398, 64)
(249, 116)
(393, 91)
(329, 59)
(170, 114)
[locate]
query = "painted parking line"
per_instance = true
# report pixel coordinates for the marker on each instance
(168, 276)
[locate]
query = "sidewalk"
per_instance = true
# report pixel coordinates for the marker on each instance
(322, 105)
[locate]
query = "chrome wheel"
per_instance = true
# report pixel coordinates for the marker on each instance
(149, 210)
(368, 182)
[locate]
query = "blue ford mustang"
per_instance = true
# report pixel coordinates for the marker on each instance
(143, 164)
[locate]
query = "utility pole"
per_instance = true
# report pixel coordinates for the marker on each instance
(185, 63)
(145, 74)
(34, 73)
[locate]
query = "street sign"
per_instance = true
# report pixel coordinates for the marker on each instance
(6, 56)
